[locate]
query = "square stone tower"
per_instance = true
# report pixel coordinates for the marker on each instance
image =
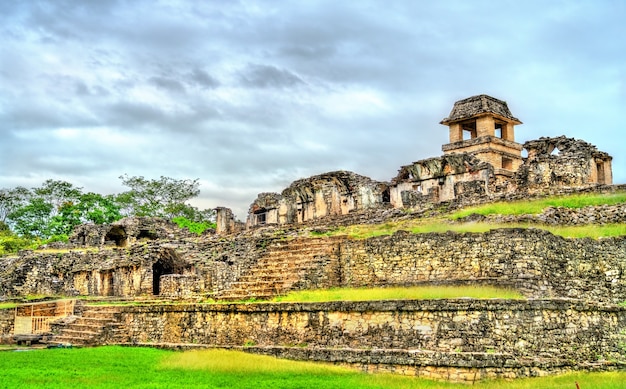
(483, 126)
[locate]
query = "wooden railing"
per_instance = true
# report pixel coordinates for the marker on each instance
(35, 318)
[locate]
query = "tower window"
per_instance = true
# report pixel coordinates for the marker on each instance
(501, 131)
(469, 130)
(507, 163)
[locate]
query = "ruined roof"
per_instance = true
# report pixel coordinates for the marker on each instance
(563, 147)
(439, 167)
(476, 105)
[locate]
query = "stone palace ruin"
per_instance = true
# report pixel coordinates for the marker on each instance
(571, 318)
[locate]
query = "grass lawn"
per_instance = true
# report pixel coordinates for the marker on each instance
(533, 207)
(119, 367)
(423, 226)
(399, 293)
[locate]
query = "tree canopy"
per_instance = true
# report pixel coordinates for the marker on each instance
(52, 210)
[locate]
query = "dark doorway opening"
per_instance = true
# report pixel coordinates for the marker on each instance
(386, 196)
(261, 216)
(168, 263)
(106, 283)
(600, 173)
(118, 235)
(147, 234)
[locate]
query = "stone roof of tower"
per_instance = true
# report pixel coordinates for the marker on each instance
(476, 105)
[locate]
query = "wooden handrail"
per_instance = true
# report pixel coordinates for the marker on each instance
(33, 322)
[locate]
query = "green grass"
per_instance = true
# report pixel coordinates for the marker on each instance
(8, 305)
(119, 367)
(533, 207)
(421, 226)
(399, 293)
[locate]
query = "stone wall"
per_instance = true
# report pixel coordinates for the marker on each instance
(7, 322)
(181, 286)
(598, 215)
(498, 337)
(536, 262)
(533, 261)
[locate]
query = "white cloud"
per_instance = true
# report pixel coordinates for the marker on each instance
(249, 96)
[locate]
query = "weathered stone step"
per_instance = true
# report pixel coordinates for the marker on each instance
(82, 327)
(278, 269)
(99, 315)
(78, 334)
(267, 277)
(253, 287)
(247, 297)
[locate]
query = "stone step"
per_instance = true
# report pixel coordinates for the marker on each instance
(92, 320)
(82, 327)
(262, 289)
(278, 270)
(267, 277)
(99, 315)
(85, 329)
(66, 332)
(237, 297)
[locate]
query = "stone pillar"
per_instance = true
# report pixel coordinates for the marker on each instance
(225, 220)
(456, 132)
(485, 126)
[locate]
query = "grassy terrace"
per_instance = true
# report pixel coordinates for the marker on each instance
(118, 367)
(447, 223)
(406, 293)
(534, 207)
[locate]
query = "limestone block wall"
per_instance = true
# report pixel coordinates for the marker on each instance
(533, 261)
(7, 322)
(181, 286)
(563, 332)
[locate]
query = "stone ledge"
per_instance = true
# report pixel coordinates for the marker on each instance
(460, 304)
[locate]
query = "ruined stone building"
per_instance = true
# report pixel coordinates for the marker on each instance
(482, 159)
(334, 193)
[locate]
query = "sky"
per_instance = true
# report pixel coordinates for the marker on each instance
(249, 96)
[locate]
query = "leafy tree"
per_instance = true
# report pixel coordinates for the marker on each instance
(35, 213)
(90, 208)
(58, 193)
(99, 209)
(165, 197)
(33, 219)
(11, 199)
(52, 210)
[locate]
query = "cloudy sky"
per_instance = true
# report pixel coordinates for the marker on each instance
(249, 96)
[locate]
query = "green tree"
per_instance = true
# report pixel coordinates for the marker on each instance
(165, 197)
(89, 208)
(33, 219)
(11, 200)
(58, 193)
(39, 212)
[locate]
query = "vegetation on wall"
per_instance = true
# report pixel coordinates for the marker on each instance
(534, 207)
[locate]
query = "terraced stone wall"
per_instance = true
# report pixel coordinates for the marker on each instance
(487, 337)
(537, 263)
(7, 322)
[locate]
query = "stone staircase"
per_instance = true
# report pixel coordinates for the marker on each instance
(87, 329)
(295, 264)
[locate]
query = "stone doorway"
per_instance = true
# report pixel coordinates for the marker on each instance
(118, 235)
(168, 263)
